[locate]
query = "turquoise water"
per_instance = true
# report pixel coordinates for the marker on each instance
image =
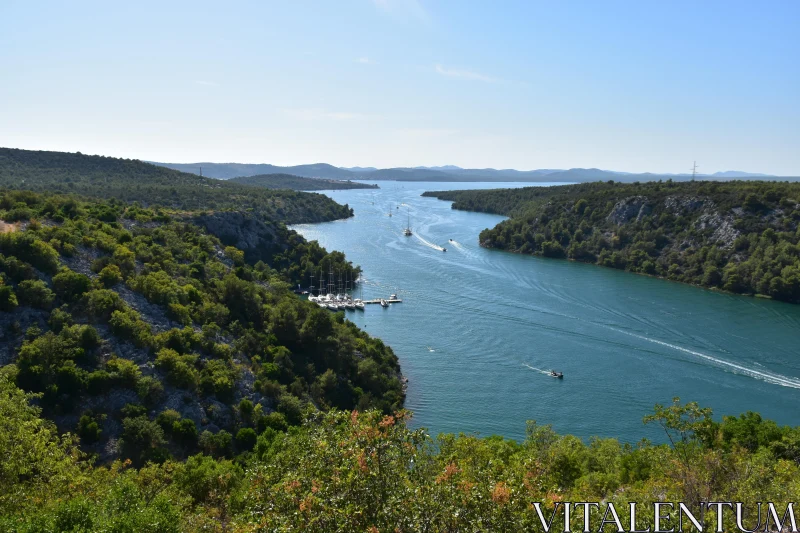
(478, 329)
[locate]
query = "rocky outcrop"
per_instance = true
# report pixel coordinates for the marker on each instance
(258, 238)
(629, 208)
(724, 231)
(680, 205)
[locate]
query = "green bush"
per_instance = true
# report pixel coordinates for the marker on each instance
(70, 286)
(246, 439)
(216, 444)
(88, 429)
(101, 303)
(110, 276)
(8, 300)
(35, 293)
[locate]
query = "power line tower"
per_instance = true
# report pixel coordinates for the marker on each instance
(694, 170)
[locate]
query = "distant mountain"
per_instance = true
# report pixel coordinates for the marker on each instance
(445, 168)
(297, 183)
(409, 174)
(445, 173)
(226, 171)
(740, 174)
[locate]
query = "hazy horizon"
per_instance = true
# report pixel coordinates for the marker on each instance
(621, 86)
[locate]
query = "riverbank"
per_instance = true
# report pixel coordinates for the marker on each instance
(738, 237)
(473, 322)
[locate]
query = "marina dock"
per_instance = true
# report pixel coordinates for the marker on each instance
(378, 300)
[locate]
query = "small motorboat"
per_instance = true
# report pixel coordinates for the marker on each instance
(393, 297)
(384, 303)
(554, 374)
(444, 249)
(451, 240)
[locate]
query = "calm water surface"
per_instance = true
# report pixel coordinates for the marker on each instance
(478, 329)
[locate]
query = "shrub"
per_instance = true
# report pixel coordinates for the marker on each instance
(127, 324)
(216, 444)
(88, 429)
(110, 275)
(150, 390)
(124, 372)
(246, 439)
(204, 478)
(184, 432)
(141, 440)
(59, 318)
(179, 368)
(101, 303)
(70, 286)
(35, 293)
(8, 300)
(274, 421)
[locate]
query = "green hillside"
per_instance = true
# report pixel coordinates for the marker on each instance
(297, 183)
(133, 181)
(150, 339)
(739, 236)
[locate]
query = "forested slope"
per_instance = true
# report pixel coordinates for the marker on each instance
(134, 181)
(297, 183)
(147, 337)
(739, 236)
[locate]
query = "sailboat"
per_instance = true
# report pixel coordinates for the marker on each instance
(359, 302)
(407, 231)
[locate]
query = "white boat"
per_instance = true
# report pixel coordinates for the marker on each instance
(393, 297)
(359, 305)
(333, 306)
(349, 305)
(384, 303)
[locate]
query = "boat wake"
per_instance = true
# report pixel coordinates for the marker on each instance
(428, 243)
(545, 372)
(769, 377)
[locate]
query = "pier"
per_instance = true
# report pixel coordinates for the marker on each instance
(388, 301)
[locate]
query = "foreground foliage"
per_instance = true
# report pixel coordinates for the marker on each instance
(367, 471)
(742, 237)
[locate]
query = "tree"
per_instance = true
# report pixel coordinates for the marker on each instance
(8, 300)
(141, 439)
(70, 286)
(35, 293)
(36, 462)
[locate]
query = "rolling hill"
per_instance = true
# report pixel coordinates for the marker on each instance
(297, 183)
(447, 173)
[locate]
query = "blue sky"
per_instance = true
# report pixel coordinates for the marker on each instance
(632, 86)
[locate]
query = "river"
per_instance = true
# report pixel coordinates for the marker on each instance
(479, 329)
